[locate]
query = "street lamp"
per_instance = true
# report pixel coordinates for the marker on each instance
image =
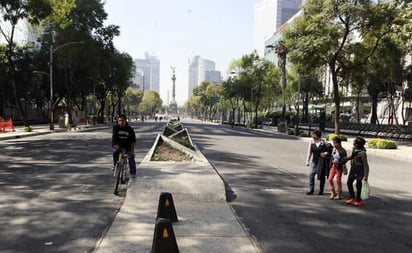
(52, 51)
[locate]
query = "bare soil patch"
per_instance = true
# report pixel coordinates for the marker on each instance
(165, 152)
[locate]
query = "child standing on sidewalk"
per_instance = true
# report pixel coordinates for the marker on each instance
(336, 169)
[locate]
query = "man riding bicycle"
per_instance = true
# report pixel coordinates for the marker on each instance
(124, 137)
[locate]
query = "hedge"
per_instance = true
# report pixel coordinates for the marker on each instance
(341, 136)
(381, 144)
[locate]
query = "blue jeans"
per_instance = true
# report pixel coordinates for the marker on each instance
(313, 171)
(132, 162)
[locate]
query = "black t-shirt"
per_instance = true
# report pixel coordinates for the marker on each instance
(123, 136)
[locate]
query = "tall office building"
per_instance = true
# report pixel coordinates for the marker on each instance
(147, 76)
(201, 70)
(269, 16)
(213, 76)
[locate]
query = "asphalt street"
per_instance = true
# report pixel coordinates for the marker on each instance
(267, 180)
(56, 192)
(56, 189)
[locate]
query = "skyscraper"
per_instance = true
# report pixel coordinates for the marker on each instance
(269, 16)
(201, 69)
(147, 75)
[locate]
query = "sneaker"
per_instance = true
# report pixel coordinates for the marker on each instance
(133, 175)
(357, 203)
(320, 193)
(350, 201)
(309, 193)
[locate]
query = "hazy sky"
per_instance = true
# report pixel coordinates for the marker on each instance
(176, 30)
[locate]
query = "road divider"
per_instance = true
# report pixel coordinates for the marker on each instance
(166, 208)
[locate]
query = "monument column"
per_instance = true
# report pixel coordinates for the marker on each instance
(173, 104)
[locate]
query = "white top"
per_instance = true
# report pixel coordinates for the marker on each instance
(309, 154)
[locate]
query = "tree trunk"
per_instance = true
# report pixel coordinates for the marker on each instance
(336, 97)
(238, 110)
(257, 104)
(23, 114)
(374, 109)
(403, 108)
(306, 108)
(357, 108)
(100, 113)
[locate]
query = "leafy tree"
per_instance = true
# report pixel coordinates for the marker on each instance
(193, 106)
(131, 101)
(13, 12)
(325, 35)
(151, 103)
(271, 89)
(204, 98)
(385, 67)
(254, 83)
(85, 69)
(281, 51)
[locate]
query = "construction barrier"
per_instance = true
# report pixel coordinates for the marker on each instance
(164, 240)
(166, 208)
(6, 125)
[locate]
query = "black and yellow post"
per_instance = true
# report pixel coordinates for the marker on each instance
(164, 240)
(166, 208)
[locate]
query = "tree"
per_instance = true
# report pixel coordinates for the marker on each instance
(193, 106)
(384, 70)
(151, 103)
(325, 34)
(131, 102)
(85, 69)
(282, 51)
(15, 11)
(254, 83)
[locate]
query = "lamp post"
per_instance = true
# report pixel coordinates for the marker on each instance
(52, 51)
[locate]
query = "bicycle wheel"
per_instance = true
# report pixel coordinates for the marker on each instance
(125, 178)
(118, 172)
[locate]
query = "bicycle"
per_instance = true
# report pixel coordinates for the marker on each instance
(120, 170)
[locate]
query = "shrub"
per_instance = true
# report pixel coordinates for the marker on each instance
(381, 144)
(28, 129)
(291, 131)
(341, 136)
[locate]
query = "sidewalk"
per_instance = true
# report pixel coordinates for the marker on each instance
(45, 129)
(402, 153)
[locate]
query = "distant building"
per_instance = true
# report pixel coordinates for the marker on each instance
(200, 70)
(147, 76)
(275, 37)
(269, 16)
(213, 76)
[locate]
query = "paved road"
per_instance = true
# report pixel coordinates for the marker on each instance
(269, 181)
(56, 189)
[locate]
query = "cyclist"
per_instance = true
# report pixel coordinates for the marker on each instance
(124, 137)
